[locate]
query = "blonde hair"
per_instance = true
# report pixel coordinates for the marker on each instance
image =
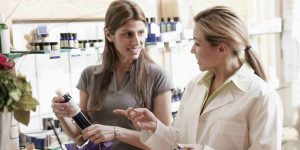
(220, 24)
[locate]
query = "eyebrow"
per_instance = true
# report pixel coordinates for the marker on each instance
(195, 39)
(126, 30)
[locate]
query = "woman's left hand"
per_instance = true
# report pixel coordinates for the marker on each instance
(99, 133)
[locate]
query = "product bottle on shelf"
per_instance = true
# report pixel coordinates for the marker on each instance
(4, 36)
(162, 25)
(70, 40)
(178, 27)
(169, 24)
(154, 29)
(62, 41)
(76, 44)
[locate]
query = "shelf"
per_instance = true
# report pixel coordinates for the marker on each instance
(43, 52)
(16, 54)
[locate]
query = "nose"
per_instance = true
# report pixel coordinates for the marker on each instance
(136, 40)
(193, 49)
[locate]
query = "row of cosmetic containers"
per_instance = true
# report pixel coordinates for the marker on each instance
(67, 41)
(164, 30)
(169, 29)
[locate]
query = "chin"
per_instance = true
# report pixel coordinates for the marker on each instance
(135, 57)
(202, 68)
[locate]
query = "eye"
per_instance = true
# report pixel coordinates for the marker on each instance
(128, 34)
(140, 33)
(196, 44)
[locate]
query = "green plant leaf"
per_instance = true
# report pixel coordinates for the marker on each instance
(26, 103)
(22, 116)
(16, 96)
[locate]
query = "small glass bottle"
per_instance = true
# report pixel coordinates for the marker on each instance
(47, 46)
(76, 44)
(54, 45)
(62, 40)
(169, 24)
(38, 46)
(4, 36)
(70, 40)
(45, 38)
(162, 26)
(87, 44)
(91, 43)
(80, 43)
(97, 43)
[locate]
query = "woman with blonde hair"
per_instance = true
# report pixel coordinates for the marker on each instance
(227, 107)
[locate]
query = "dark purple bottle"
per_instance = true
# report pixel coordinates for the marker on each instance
(77, 116)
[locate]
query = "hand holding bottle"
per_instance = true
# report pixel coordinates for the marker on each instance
(142, 118)
(72, 109)
(60, 108)
(98, 133)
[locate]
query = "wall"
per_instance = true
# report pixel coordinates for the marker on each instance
(46, 75)
(69, 10)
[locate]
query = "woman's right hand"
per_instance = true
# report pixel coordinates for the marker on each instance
(61, 109)
(142, 118)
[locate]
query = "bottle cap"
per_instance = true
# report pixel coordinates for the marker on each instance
(60, 92)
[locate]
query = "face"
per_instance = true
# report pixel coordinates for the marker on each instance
(129, 40)
(206, 54)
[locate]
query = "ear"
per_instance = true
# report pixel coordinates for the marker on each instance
(108, 35)
(223, 50)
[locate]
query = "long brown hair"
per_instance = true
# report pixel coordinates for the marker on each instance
(118, 13)
(220, 24)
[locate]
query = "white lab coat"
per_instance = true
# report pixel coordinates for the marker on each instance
(246, 117)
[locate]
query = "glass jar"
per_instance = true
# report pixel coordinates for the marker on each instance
(45, 38)
(80, 43)
(97, 43)
(38, 46)
(47, 46)
(54, 45)
(86, 44)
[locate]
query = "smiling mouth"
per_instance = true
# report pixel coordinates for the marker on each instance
(134, 50)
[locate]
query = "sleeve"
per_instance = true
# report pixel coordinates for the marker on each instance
(84, 79)
(266, 122)
(163, 138)
(162, 81)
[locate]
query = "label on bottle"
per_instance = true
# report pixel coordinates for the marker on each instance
(5, 41)
(75, 107)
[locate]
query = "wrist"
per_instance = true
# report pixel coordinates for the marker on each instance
(117, 133)
(153, 129)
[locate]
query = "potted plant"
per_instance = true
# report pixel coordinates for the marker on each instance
(15, 98)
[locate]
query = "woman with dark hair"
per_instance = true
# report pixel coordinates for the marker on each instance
(126, 78)
(227, 107)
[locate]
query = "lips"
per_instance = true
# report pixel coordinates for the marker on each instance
(134, 50)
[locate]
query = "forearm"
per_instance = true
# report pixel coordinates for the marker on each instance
(164, 137)
(131, 137)
(70, 129)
